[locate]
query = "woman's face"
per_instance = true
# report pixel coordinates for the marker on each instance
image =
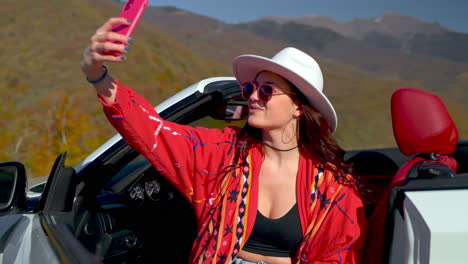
(277, 113)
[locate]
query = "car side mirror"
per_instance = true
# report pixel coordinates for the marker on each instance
(12, 187)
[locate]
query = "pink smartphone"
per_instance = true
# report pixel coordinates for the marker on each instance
(133, 10)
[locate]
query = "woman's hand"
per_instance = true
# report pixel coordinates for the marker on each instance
(101, 47)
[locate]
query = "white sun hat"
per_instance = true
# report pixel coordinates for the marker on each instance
(295, 66)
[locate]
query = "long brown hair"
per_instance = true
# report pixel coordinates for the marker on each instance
(315, 139)
(314, 136)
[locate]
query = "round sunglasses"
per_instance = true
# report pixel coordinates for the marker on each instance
(265, 91)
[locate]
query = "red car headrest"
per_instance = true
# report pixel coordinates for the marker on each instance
(421, 123)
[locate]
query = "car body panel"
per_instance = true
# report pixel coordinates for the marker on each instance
(433, 228)
(24, 241)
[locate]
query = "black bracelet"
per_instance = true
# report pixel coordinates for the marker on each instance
(100, 78)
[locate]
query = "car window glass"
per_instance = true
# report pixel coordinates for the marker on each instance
(7, 185)
(38, 188)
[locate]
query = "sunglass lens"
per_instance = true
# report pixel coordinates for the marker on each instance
(265, 93)
(247, 90)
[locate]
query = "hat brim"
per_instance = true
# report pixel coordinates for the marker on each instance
(246, 68)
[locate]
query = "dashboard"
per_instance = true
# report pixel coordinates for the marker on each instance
(138, 217)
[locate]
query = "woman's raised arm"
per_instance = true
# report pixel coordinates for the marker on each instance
(101, 48)
(190, 157)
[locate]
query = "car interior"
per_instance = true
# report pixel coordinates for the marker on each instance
(138, 217)
(125, 211)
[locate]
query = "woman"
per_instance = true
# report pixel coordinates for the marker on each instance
(276, 191)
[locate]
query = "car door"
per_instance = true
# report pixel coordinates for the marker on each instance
(40, 234)
(52, 225)
(20, 235)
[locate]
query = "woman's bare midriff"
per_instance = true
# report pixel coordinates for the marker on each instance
(268, 259)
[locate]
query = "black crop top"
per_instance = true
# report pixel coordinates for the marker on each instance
(276, 237)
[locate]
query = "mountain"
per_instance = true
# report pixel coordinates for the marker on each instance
(391, 30)
(383, 55)
(390, 23)
(208, 36)
(300, 35)
(449, 45)
(316, 21)
(395, 25)
(412, 35)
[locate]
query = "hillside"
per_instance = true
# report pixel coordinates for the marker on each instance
(395, 25)
(390, 23)
(48, 107)
(208, 36)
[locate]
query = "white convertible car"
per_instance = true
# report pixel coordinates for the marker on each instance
(114, 207)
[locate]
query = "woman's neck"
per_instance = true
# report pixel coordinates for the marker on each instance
(280, 145)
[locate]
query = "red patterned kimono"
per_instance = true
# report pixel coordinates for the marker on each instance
(225, 201)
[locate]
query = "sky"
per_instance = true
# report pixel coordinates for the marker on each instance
(453, 14)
